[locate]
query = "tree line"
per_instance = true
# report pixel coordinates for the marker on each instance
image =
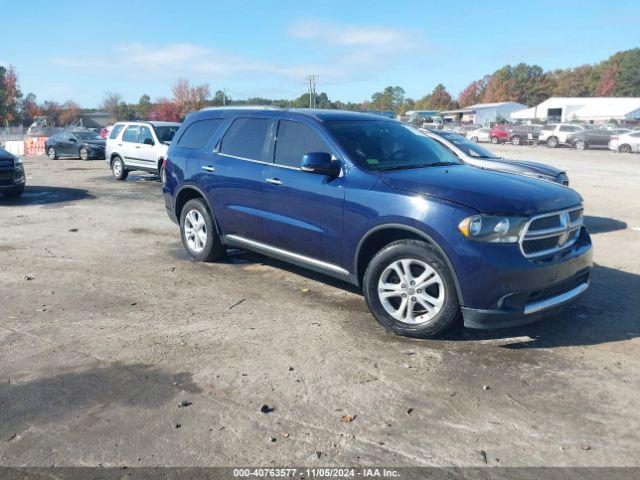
(619, 75)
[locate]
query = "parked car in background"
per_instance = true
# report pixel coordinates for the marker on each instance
(594, 138)
(80, 143)
(429, 239)
(626, 142)
(139, 146)
(12, 177)
(559, 133)
(520, 134)
(473, 154)
(498, 134)
(479, 135)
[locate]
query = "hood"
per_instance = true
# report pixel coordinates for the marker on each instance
(4, 155)
(98, 143)
(486, 191)
(513, 166)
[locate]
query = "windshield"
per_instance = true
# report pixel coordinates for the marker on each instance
(388, 145)
(165, 134)
(87, 136)
(470, 148)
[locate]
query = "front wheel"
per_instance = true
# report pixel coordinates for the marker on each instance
(625, 148)
(552, 142)
(516, 140)
(580, 145)
(474, 139)
(198, 232)
(410, 290)
(118, 169)
(52, 154)
(494, 140)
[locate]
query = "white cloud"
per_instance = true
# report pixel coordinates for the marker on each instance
(339, 53)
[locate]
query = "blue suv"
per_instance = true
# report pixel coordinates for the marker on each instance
(379, 204)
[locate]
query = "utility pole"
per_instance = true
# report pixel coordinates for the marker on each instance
(312, 90)
(224, 97)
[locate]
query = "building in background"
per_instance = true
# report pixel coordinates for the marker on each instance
(482, 113)
(597, 110)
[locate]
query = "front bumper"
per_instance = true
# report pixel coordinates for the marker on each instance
(506, 289)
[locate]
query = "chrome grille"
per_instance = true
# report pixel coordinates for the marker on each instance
(551, 232)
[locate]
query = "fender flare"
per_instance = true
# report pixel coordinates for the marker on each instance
(206, 201)
(415, 231)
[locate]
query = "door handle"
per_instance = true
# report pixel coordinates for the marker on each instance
(137, 146)
(208, 168)
(274, 181)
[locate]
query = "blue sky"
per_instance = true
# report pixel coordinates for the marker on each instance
(80, 50)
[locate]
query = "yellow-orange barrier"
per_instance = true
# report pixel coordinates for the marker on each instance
(35, 146)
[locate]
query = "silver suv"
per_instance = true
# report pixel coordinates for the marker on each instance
(139, 146)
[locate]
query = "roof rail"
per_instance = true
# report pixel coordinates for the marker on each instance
(243, 107)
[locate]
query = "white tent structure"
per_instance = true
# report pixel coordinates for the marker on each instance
(483, 113)
(586, 109)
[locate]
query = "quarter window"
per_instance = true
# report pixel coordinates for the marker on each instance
(295, 140)
(131, 134)
(246, 138)
(198, 134)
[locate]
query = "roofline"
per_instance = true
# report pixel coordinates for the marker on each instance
(243, 107)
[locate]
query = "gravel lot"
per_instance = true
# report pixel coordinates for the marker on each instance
(106, 327)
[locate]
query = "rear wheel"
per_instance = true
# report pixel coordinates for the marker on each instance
(624, 148)
(494, 140)
(516, 140)
(580, 145)
(84, 153)
(474, 139)
(52, 154)
(552, 142)
(118, 169)
(410, 290)
(198, 232)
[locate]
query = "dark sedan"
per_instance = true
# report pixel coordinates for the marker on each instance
(475, 155)
(594, 138)
(83, 144)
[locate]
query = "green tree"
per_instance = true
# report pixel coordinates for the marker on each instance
(144, 107)
(391, 99)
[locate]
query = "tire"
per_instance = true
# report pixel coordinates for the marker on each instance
(494, 140)
(581, 145)
(443, 300)
(474, 139)
(118, 169)
(162, 171)
(52, 154)
(16, 192)
(84, 153)
(204, 244)
(516, 140)
(626, 148)
(552, 142)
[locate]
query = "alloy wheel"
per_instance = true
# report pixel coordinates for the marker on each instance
(411, 291)
(195, 231)
(117, 168)
(52, 153)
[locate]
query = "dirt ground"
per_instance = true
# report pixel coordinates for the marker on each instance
(106, 327)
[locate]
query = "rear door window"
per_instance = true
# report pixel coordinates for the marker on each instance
(131, 134)
(115, 131)
(198, 134)
(294, 140)
(246, 138)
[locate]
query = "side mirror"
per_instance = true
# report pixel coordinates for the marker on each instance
(320, 163)
(148, 141)
(72, 140)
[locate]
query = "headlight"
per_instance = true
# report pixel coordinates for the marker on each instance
(495, 229)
